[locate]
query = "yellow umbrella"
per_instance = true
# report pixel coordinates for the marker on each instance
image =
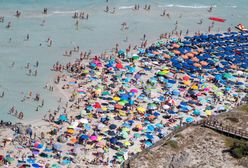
(139, 126)
(122, 113)
(186, 82)
(208, 112)
(165, 71)
(99, 138)
(127, 143)
(141, 109)
(125, 129)
(116, 98)
(195, 87)
(104, 108)
(70, 131)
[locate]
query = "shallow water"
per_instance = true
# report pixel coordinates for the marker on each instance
(99, 33)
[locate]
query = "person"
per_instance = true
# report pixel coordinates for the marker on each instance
(45, 11)
(27, 38)
(201, 21)
(43, 23)
(210, 9)
(107, 9)
(163, 14)
(18, 13)
(2, 94)
(8, 25)
(76, 24)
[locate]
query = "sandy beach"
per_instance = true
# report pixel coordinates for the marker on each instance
(97, 109)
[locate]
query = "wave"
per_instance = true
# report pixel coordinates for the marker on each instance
(126, 7)
(64, 12)
(187, 6)
(233, 6)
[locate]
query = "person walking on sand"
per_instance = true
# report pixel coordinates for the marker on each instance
(2, 94)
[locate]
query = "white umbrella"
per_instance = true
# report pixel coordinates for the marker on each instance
(83, 120)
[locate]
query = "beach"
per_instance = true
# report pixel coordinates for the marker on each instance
(93, 86)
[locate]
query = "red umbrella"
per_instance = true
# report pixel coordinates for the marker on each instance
(119, 66)
(97, 105)
(186, 77)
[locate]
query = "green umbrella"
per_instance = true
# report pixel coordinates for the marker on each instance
(124, 134)
(105, 93)
(137, 135)
(135, 57)
(162, 73)
(227, 75)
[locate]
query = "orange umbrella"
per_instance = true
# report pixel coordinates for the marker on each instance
(156, 52)
(190, 55)
(185, 57)
(74, 140)
(70, 131)
(166, 56)
(200, 50)
(195, 59)
(194, 52)
(151, 117)
(234, 66)
(118, 106)
(203, 63)
(176, 52)
(197, 65)
(175, 45)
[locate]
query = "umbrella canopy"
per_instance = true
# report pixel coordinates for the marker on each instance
(189, 120)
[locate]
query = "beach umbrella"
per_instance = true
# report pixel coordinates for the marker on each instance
(189, 120)
(227, 75)
(113, 140)
(148, 143)
(63, 118)
(70, 131)
(116, 98)
(137, 135)
(166, 107)
(150, 128)
(118, 106)
(186, 77)
(36, 165)
(208, 112)
(149, 136)
(141, 109)
(134, 90)
(57, 146)
(83, 120)
(93, 138)
(152, 106)
(84, 137)
(112, 126)
(197, 112)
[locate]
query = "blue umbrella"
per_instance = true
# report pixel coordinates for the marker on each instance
(149, 136)
(36, 165)
(197, 112)
(113, 140)
(148, 143)
(57, 146)
(150, 128)
(189, 120)
(84, 137)
(112, 126)
(63, 118)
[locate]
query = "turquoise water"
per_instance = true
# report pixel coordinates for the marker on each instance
(99, 33)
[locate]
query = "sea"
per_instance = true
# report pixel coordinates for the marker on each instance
(99, 33)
